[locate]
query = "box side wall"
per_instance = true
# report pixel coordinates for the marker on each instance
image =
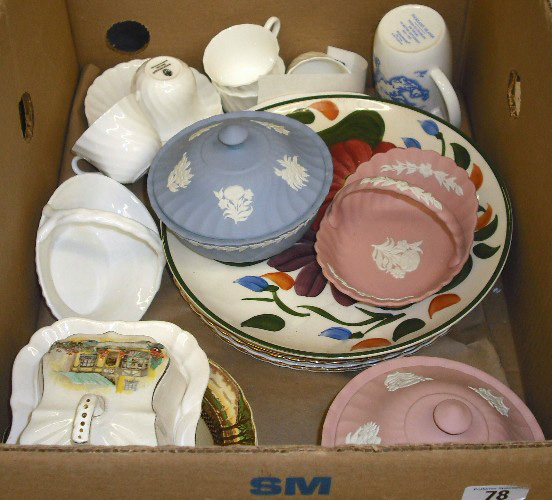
(183, 29)
(507, 35)
(413, 473)
(36, 56)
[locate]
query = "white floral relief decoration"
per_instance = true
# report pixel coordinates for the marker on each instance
(272, 126)
(365, 434)
(397, 258)
(426, 170)
(202, 130)
(235, 202)
(497, 402)
(180, 176)
(400, 380)
(403, 186)
(293, 173)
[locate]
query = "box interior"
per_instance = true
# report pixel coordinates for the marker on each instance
(45, 46)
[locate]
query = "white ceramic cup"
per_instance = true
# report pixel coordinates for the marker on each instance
(121, 143)
(240, 54)
(413, 61)
(166, 90)
(316, 63)
(97, 264)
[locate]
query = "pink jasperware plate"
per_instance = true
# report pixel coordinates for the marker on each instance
(427, 400)
(389, 243)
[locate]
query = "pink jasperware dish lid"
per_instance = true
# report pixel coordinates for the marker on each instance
(389, 243)
(422, 399)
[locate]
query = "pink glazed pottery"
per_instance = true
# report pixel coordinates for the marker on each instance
(389, 243)
(427, 400)
(432, 172)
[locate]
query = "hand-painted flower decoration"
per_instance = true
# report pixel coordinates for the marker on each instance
(430, 127)
(253, 283)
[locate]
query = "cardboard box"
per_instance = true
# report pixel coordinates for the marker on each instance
(44, 48)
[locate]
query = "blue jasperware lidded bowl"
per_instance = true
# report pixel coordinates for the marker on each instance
(240, 187)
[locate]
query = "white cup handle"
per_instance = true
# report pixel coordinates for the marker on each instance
(75, 165)
(273, 25)
(449, 96)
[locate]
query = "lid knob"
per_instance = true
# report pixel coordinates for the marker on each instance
(452, 416)
(233, 135)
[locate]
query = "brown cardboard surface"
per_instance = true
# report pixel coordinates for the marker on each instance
(510, 35)
(183, 29)
(393, 473)
(36, 56)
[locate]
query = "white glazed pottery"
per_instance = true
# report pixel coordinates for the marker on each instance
(108, 88)
(127, 418)
(166, 90)
(121, 143)
(240, 54)
(99, 192)
(413, 61)
(316, 63)
(97, 264)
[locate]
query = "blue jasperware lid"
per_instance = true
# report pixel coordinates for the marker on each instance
(239, 177)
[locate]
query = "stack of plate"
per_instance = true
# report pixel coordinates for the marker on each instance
(284, 312)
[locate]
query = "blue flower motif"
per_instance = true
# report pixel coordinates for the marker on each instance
(430, 127)
(337, 333)
(409, 142)
(254, 283)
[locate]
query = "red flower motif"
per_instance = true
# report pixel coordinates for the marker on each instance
(310, 281)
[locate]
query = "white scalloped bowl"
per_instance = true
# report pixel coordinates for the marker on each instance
(177, 399)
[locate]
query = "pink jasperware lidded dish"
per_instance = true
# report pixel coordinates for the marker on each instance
(388, 243)
(427, 400)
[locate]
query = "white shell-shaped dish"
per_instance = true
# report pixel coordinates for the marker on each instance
(176, 401)
(97, 264)
(108, 88)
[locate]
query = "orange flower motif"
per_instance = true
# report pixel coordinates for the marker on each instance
(283, 280)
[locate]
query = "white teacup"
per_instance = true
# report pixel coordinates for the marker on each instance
(240, 54)
(316, 63)
(97, 264)
(121, 143)
(166, 90)
(413, 61)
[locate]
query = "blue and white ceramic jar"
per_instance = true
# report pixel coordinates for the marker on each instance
(240, 187)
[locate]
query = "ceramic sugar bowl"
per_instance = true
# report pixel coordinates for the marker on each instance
(240, 187)
(427, 400)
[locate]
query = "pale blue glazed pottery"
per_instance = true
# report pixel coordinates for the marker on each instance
(240, 187)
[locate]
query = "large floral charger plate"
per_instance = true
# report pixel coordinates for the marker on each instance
(284, 310)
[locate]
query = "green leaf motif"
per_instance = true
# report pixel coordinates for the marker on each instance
(363, 124)
(487, 231)
(461, 155)
(269, 322)
(484, 251)
(461, 276)
(406, 327)
(327, 315)
(305, 116)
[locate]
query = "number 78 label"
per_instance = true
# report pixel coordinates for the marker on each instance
(495, 492)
